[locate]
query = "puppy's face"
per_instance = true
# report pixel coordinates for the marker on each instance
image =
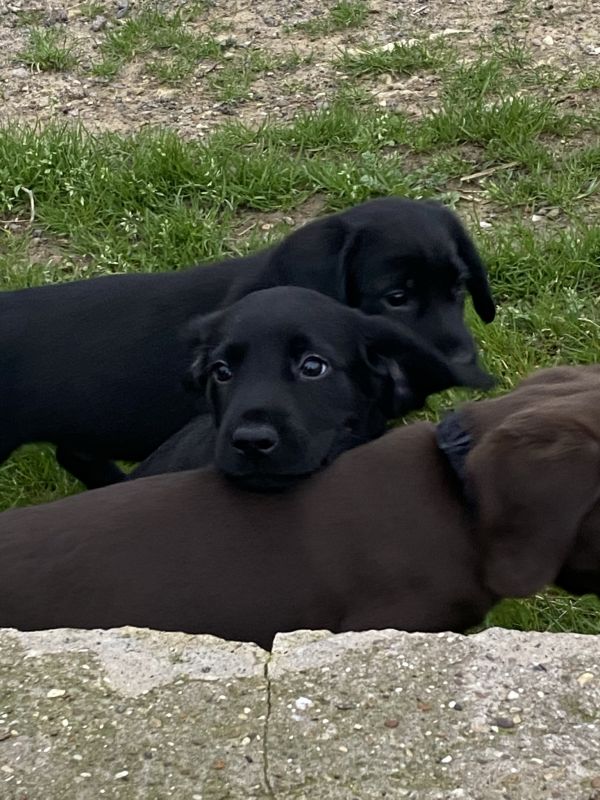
(412, 262)
(294, 378)
(419, 272)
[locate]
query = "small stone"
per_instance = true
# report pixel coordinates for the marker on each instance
(424, 706)
(504, 722)
(446, 760)
(56, 16)
(553, 213)
(585, 678)
(218, 764)
(512, 695)
(391, 723)
(98, 23)
(122, 776)
(548, 41)
(56, 693)
(595, 782)
(122, 9)
(303, 703)
(536, 218)
(484, 224)
(20, 72)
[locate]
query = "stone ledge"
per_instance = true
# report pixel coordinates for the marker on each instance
(137, 714)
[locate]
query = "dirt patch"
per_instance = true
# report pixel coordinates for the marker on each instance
(558, 34)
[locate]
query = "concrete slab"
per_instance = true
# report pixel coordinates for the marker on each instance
(501, 715)
(133, 714)
(130, 714)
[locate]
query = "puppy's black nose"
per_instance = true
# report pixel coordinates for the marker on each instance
(255, 439)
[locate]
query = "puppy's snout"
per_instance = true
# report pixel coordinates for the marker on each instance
(255, 439)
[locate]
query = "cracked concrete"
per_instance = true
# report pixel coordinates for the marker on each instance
(134, 714)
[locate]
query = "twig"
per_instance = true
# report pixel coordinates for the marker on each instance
(485, 172)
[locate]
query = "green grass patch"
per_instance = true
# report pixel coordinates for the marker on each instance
(48, 51)
(589, 80)
(171, 50)
(231, 81)
(553, 611)
(342, 16)
(401, 59)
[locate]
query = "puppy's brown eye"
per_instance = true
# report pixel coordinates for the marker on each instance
(221, 372)
(398, 298)
(313, 367)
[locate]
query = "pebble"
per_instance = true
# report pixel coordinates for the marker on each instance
(122, 9)
(56, 15)
(121, 776)
(504, 722)
(391, 723)
(20, 72)
(553, 213)
(446, 760)
(98, 23)
(548, 41)
(56, 693)
(585, 678)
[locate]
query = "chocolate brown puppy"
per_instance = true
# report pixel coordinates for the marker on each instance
(423, 529)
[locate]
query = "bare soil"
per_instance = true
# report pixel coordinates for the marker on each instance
(561, 34)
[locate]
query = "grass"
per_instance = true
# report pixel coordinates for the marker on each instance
(48, 51)
(170, 48)
(342, 16)
(494, 143)
(400, 59)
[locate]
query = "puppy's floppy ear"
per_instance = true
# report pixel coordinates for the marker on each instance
(323, 251)
(532, 479)
(477, 280)
(415, 369)
(197, 335)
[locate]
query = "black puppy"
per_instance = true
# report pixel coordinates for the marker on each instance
(94, 366)
(294, 378)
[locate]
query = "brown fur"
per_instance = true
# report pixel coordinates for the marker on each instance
(382, 538)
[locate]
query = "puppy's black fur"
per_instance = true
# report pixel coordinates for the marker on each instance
(94, 366)
(293, 378)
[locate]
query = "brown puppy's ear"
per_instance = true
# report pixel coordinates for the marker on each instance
(532, 479)
(323, 249)
(414, 368)
(197, 336)
(477, 280)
